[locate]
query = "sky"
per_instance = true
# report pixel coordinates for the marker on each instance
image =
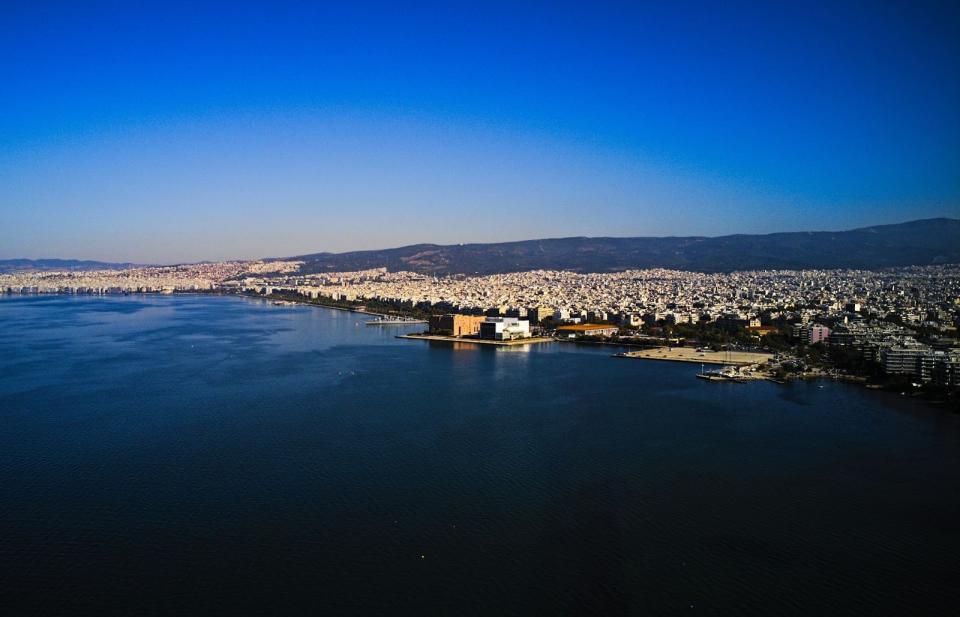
(175, 132)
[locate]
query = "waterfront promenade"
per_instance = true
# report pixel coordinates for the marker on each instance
(478, 341)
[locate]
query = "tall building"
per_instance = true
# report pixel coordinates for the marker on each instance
(538, 314)
(817, 333)
(903, 358)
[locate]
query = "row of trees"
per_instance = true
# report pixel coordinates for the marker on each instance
(371, 306)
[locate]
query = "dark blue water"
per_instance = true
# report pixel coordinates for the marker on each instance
(206, 455)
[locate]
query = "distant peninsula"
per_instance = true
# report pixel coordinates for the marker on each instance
(42, 265)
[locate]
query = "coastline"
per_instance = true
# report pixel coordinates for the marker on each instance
(477, 341)
(949, 404)
(606, 343)
(303, 301)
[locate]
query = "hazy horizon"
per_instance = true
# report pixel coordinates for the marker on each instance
(258, 257)
(174, 133)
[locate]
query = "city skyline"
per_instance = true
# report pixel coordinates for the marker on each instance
(172, 134)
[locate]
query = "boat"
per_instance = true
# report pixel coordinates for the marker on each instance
(712, 376)
(727, 373)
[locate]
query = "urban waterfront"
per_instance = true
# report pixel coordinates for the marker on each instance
(222, 454)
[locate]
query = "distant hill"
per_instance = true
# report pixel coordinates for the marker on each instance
(39, 265)
(924, 242)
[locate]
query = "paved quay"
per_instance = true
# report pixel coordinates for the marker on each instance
(477, 341)
(689, 354)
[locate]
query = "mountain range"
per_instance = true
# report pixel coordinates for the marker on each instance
(915, 243)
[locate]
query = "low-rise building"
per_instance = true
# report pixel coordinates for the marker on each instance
(587, 329)
(504, 328)
(456, 325)
(762, 330)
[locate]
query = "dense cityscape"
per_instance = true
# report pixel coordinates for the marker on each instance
(381, 308)
(897, 324)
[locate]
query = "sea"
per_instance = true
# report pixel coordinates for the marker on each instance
(195, 454)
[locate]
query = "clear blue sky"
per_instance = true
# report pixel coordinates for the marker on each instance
(181, 132)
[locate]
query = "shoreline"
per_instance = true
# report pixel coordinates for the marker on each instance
(476, 341)
(294, 302)
(644, 354)
(605, 343)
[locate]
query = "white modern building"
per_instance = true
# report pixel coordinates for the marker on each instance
(504, 328)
